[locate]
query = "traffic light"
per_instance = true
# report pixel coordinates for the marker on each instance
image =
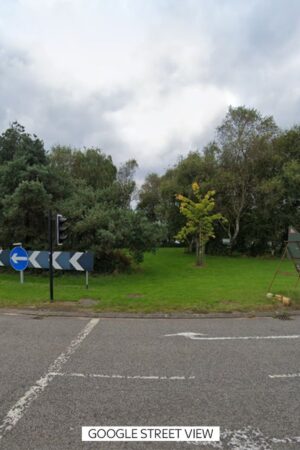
(61, 228)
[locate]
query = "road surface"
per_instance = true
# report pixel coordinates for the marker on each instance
(59, 374)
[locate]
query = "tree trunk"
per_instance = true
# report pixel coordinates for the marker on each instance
(191, 245)
(200, 252)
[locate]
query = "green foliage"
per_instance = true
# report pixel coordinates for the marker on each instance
(85, 186)
(199, 219)
(91, 166)
(16, 144)
(23, 184)
(245, 141)
(254, 168)
(24, 215)
(104, 231)
(150, 197)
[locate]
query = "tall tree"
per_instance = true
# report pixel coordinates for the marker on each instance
(23, 175)
(24, 215)
(91, 165)
(245, 140)
(150, 197)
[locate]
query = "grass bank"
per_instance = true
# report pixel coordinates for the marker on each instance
(167, 281)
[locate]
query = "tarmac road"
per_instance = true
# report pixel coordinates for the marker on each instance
(59, 374)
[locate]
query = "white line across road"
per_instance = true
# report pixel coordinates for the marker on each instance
(200, 337)
(19, 408)
(286, 375)
(122, 377)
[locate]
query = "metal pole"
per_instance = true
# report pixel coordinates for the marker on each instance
(277, 270)
(86, 279)
(297, 282)
(50, 236)
(19, 244)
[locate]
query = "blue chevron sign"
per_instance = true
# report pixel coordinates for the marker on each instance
(79, 261)
(4, 258)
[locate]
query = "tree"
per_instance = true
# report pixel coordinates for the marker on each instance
(85, 186)
(24, 215)
(200, 219)
(245, 146)
(15, 143)
(150, 197)
(115, 234)
(125, 182)
(91, 165)
(24, 187)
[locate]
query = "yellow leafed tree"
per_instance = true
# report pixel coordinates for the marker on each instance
(199, 219)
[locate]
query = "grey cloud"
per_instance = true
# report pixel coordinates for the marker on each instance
(250, 46)
(53, 114)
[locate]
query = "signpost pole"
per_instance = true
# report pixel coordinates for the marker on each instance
(86, 279)
(50, 236)
(19, 244)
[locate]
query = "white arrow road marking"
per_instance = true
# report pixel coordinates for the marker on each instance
(196, 336)
(15, 258)
(187, 334)
(54, 262)
(32, 259)
(1, 263)
(74, 261)
(234, 338)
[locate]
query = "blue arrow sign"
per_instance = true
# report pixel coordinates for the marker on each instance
(18, 258)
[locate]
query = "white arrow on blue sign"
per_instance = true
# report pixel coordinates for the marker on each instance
(35, 259)
(18, 258)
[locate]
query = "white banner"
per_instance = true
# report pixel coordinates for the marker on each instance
(150, 434)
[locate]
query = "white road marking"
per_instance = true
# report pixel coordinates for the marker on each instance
(286, 375)
(247, 438)
(197, 336)
(124, 377)
(11, 314)
(188, 334)
(19, 408)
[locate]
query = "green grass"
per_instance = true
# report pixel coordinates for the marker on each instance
(167, 281)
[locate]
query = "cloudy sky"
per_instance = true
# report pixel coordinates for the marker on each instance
(145, 79)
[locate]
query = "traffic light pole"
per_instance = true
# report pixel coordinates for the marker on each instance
(50, 237)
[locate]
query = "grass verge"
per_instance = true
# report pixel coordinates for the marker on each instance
(168, 281)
